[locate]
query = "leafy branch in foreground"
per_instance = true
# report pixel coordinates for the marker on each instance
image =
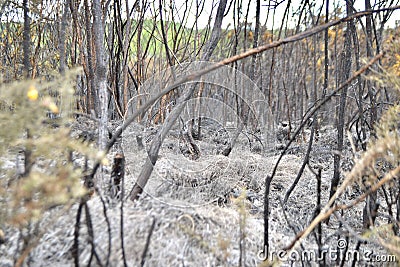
(35, 121)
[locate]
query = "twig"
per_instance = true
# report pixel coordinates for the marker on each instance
(91, 236)
(305, 161)
(349, 229)
(156, 143)
(75, 246)
(122, 220)
(108, 229)
(318, 210)
(266, 210)
(37, 238)
(323, 102)
(146, 246)
(287, 219)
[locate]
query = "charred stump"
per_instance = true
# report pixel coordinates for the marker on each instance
(117, 175)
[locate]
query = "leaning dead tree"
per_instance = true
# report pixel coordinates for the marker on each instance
(169, 122)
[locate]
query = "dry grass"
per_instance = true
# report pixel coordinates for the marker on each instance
(194, 205)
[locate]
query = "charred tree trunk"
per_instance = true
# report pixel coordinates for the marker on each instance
(26, 61)
(253, 72)
(326, 58)
(371, 207)
(345, 67)
(125, 67)
(117, 175)
(26, 39)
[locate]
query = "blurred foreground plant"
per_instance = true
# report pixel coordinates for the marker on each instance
(35, 121)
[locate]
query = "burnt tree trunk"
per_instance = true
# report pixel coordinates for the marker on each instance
(91, 95)
(117, 175)
(371, 207)
(345, 67)
(26, 43)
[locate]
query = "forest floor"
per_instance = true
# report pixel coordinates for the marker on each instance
(203, 212)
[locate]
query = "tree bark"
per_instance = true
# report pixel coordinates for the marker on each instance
(371, 207)
(26, 39)
(253, 72)
(100, 79)
(326, 59)
(91, 94)
(345, 67)
(61, 45)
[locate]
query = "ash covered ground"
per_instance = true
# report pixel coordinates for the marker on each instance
(202, 212)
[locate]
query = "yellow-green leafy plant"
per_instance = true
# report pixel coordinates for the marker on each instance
(35, 124)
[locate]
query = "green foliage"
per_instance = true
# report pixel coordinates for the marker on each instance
(178, 36)
(48, 178)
